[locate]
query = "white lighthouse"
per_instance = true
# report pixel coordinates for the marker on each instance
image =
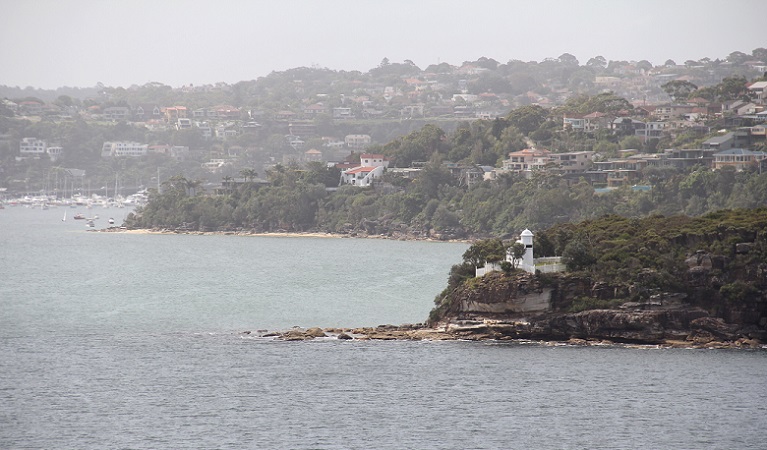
(527, 264)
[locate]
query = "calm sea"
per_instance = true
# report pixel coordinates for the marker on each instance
(134, 341)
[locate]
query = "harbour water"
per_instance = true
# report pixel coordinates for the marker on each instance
(113, 340)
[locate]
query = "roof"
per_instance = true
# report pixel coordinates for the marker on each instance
(372, 156)
(758, 85)
(360, 170)
(739, 151)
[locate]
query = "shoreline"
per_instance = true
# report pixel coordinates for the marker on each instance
(282, 234)
(486, 333)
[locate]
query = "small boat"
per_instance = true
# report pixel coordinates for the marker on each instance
(90, 224)
(79, 216)
(111, 221)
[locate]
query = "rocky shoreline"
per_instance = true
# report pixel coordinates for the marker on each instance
(504, 332)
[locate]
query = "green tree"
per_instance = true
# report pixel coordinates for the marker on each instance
(517, 252)
(248, 174)
(527, 118)
(677, 89)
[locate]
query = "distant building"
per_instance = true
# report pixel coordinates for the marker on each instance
(357, 140)
(738, 158)
(123, 148)
(32, 147)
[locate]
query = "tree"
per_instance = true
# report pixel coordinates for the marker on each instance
(677, 89)
(630, 142)
(486, 250)
(644, 65)
(732, 87)
(760, 54)
(597, 62)
(737, 57)
(517, 252)
(568, 59)
(669, 63)
(248, 174)
(528, 118)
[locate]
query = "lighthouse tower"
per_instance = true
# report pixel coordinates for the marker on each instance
(527, 264)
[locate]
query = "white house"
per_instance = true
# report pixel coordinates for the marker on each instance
(32, 147)
(357, 140)
(123, 148)
(361, 176)
(373, 160)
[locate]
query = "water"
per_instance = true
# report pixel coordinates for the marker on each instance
(133, 341)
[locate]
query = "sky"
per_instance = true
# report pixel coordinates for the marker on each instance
(79, 43)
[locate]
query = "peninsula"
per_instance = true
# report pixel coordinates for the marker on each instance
(670, 281)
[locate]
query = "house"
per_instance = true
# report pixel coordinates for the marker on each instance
(123, 148)
(620, 172)
(54, 152)
(312, 155)
(627, 125)
(596, 121)
(671, 111)
(738, 158)
(652, 130)
(758, 92)
(304, 128)
(284, 115)
(173, 151)
(573, 162)
(343, 113)
(373, 160)
(315, 109)
(173, 113)
(116, 113)
(361, 176)
(214, 165)
(574, 122)
(724, 142)
(527, 160)
(357, 140)
(686, 158)
(32, 147)
(226, 112)
(147, 112)
(183, 123)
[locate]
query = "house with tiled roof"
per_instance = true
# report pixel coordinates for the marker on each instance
(315, 109)
(361, 176)
(527, 160)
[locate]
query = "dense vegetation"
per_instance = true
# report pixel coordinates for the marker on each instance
(296, 199)
(644, 257)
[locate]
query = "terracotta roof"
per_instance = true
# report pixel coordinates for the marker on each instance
(361, 170)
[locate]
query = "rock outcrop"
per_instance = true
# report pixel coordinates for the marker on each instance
(715, 306)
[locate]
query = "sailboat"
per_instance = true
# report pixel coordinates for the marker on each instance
(64, 219)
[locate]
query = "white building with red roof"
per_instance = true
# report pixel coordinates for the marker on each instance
(361, 176)
(371, 167)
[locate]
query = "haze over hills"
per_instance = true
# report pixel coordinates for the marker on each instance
(82, 42)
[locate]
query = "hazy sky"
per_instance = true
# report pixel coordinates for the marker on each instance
(54, 43)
